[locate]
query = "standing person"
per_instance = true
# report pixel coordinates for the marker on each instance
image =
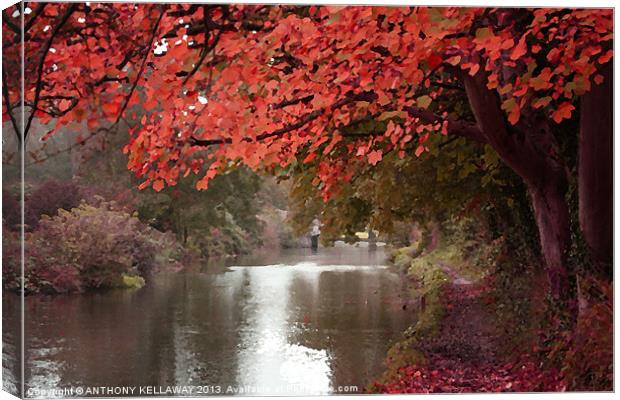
(372, 240)
(314, 234)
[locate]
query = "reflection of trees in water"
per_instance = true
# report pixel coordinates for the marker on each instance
(154, 336)
(11, 343)
(220, 329)
(121, 337)
(209, 328)
(355, 315)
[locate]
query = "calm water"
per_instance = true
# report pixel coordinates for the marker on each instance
(288, 323)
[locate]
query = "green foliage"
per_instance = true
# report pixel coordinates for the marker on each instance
(341, 216)
(429, 281)
(221, 220)
(132, 282)
(455, 177)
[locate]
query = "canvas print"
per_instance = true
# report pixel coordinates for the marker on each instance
(245, 199)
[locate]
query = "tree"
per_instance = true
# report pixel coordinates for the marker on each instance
(279, 86)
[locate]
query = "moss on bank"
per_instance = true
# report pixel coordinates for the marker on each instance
(131, 282)
(429, 281)
(425, 265)
(539, 348)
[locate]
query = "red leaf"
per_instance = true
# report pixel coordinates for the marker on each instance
(519, 50)
(111, 108)
(606, 57)
(374, 157)
(309, 158)
(434, 61)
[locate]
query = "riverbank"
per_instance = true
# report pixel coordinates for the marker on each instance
(489, 328)
(457, 347)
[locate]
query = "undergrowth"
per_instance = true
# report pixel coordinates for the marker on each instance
(541, 348)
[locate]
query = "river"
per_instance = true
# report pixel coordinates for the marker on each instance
(288, 322)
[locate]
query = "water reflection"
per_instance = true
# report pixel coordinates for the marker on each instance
(293, 323)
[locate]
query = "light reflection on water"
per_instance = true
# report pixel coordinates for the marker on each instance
(288, 323)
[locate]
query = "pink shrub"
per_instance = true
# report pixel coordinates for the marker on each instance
(11, 210)
(48, 198)
(91, 247)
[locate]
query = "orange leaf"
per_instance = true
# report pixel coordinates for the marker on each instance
(203, 183)
(563, 112)
(309, 158)
(474, 69)
(158, 185)
(514, 115)
(519, 50)
(455, 60)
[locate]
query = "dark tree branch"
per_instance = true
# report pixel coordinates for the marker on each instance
(292, 102)
(142, 66)
(106, 78)
(7, 102)
(448, 86)
(183, 13)
(125, 104)
(10, 24)
(67, 149)
(39, 85)
(207, 48)
(455, 127)
(34, 16)
(309, 117)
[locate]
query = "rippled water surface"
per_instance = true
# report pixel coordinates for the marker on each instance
(277, 323)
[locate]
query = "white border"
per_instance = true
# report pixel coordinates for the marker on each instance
(501, 3)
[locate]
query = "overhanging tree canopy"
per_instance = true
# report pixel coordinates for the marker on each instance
(278, 85)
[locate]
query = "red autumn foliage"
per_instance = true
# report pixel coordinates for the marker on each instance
(207, 87)
(466, 355)
(444, 377)
(279, 81)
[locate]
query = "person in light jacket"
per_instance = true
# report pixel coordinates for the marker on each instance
(314, 234)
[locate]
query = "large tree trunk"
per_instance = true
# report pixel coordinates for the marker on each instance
(595, 169)
(551, 212)
(532, 152)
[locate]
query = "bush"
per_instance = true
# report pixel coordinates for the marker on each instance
(11, 210)
(48, 198)
(92, 247)
(11, 256)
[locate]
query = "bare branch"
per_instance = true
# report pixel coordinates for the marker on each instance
(455, 127)
(141, 70)
(9, 106)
